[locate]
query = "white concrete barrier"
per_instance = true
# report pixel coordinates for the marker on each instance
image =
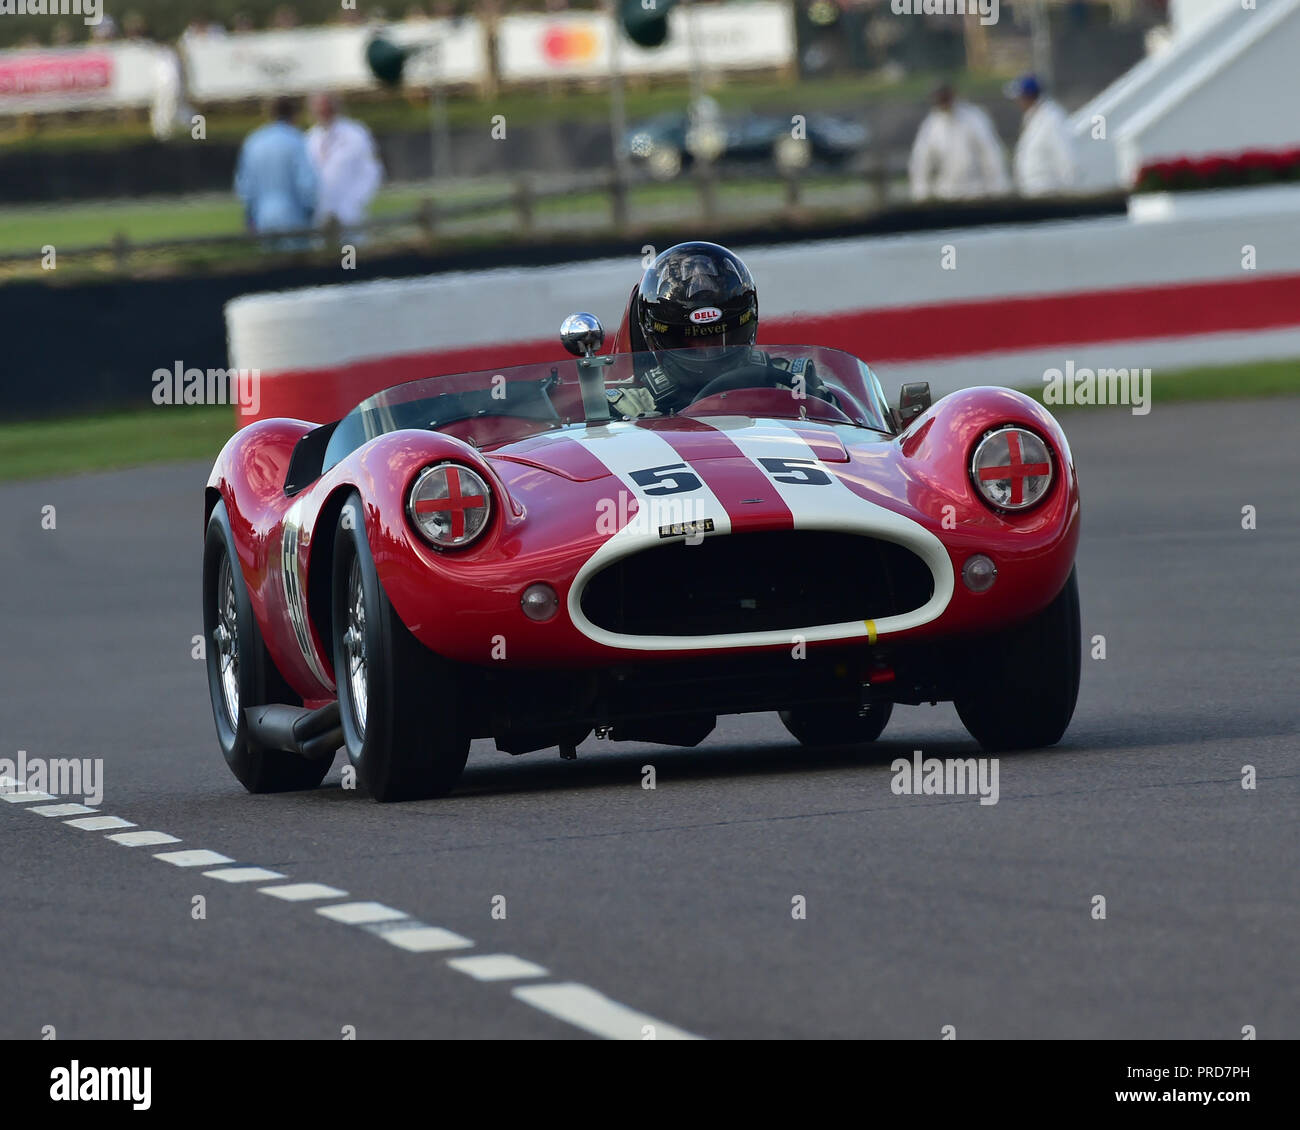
(958, 307)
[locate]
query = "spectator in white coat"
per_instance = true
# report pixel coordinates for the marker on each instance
(1044, 160)
(343, 153)
(957, 154)
(165, 109)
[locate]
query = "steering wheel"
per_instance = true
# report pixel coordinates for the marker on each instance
(747, 376)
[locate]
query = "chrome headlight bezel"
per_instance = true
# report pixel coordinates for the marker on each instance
(1006, 447)
(470, 485)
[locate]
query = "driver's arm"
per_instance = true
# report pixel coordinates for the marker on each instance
(632, 401)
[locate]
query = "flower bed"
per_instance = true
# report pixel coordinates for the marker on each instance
(1236, 170)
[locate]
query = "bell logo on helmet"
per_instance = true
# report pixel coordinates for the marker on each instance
(705, 314)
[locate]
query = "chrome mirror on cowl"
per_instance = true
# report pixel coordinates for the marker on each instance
(582, 334)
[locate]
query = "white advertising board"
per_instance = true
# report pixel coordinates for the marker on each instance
(301, 60)
(110, 76)
(716, 37)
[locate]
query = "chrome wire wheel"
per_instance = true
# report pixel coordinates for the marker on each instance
(241, 674)
(354, 647)
(225, 637)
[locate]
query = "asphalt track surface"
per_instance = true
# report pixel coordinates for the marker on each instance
(677, 903)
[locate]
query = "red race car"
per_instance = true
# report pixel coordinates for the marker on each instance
(500, 554)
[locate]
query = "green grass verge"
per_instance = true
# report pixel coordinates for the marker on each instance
(1217, 382)
(38, 448)
(160, 435)
(410, 111)
(96, 224)
(29, 228)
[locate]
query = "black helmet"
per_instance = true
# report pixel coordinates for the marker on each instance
(698, 296)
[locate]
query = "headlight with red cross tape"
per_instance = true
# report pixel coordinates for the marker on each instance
(1012, 468)
(449, 504)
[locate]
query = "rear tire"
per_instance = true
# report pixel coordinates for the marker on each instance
(817, 726)
(241, 673)
(398, 701)
(1027, 680)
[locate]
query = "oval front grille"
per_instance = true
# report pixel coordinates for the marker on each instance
(756, 582)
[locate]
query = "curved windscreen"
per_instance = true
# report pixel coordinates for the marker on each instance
(498, 406)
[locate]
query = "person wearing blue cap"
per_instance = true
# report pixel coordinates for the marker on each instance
(1043, 163)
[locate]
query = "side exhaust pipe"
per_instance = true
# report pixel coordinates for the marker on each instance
(311, 734)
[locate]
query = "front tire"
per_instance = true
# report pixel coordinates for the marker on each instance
(1024, 693)
(398, 701)
(818, 726)
(240, 672)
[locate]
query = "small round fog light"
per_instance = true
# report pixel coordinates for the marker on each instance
(539, 602)
(979, 573)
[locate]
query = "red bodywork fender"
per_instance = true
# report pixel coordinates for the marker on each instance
(1034, 551)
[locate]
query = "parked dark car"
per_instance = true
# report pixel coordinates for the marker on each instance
(669, 143)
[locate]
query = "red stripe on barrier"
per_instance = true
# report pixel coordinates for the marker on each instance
(997, 325)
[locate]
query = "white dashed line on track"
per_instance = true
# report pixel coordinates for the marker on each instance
(62, 809)
(99, 823)
(195, 858)
(243, 875)
(423, 939)
(572, 1003)
(303, 892)
(143, 839)
(594, 1012)
(361, 913)
(496, 967)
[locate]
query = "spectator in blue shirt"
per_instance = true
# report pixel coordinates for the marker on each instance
(274, 177)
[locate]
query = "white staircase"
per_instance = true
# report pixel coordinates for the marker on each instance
(1230, 82)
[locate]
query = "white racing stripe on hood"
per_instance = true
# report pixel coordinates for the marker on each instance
(820, 505)
(624, 449)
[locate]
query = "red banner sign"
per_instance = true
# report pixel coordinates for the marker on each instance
(68, 73)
